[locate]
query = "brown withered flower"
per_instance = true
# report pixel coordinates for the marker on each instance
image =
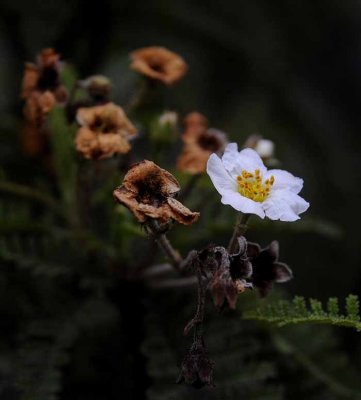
(158, 63)
(41, 86)
(229, 273)
(200, 142)
(266, 267)
(105, 130)
(148, 191)
(197, 368)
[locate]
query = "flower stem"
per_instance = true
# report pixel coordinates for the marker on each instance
(196, 323)
(239, 229)
(164, 244)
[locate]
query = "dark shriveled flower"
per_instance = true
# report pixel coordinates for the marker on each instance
(148, 191)
(197, 368)
(229, 273)
(158, 63)
(200, 142)
(266, 267)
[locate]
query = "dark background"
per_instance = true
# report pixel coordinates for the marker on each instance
(289, 70)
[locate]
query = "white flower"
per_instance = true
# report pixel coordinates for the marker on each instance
(265, 148)
(246, 185)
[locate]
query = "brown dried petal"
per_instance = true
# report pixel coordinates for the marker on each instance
(37, 106)
(159, 63)
(180, 213)
(108, 114)
(147, 175)
(86, 142)
(111, 144)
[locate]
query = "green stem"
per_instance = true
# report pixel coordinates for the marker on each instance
(239, 229)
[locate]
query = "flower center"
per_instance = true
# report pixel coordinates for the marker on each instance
(250, 185)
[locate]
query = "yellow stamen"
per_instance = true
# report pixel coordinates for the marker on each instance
(250, 185)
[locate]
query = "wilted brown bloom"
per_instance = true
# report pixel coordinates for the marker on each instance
(148, 191)
(159, 63)
(266, 267)
(197, 368)
(105, 131)
(199, 143)
(41, 90)
(41, 87)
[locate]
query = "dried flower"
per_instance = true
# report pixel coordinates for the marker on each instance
(41, 87)
(199, 143)
(197, 368)
(230, 274)
(159, 63)
(266, 267)
(148, 191)
(105, 131)
(245, 184)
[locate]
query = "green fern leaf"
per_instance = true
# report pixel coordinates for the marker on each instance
(296, 312)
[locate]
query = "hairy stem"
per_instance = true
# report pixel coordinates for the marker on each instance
(239, 229)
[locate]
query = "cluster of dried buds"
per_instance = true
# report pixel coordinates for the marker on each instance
(226, 276)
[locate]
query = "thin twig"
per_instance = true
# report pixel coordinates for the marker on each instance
(239, 229)
(164, 244)
(197, 321)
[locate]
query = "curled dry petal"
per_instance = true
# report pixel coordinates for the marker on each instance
(159, 63)
(148, 192)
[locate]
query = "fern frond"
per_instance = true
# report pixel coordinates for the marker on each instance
(283, 312)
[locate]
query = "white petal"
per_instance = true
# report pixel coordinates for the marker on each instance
(219, 176)
(243, 204)
(284, 205)
(235, 162)
(284, 180)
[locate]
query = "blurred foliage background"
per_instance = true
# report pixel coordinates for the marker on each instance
(288, 70)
